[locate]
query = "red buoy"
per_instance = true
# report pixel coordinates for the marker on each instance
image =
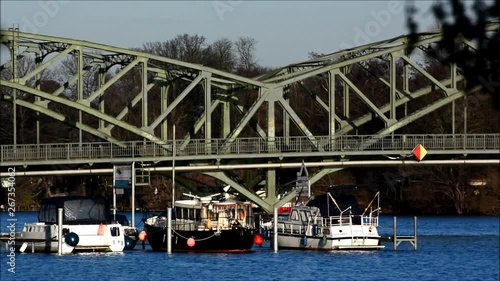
(190, 242)
(143, 235)
(258, 240)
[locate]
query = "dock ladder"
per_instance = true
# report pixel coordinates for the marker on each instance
(142, 175)
(397, 239)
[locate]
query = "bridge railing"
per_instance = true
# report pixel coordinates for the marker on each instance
(361, 144)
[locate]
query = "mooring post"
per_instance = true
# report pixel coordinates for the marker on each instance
(394, 234)
(275, 227)
(415, 233)
(59, 230)
(169, 230)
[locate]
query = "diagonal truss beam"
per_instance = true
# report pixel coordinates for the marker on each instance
(300, 124)
(364, 98)
(63, 118)
(317, 99)
(197, 125)
(111, 81)
(407, 97)
(181, 96)
(417, 67)
(426, 110)
(82, 107)
(241, 189)
(246, 118)
(259, 129)
(44, 66)
(125, 110)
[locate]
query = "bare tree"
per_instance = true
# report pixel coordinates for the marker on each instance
(185, 47)
(220, 55)
(245, 47)
(480, 64)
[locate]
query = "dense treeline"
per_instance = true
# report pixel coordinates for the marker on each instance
(433, 190)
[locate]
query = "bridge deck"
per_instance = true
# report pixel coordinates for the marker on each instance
(200, 149)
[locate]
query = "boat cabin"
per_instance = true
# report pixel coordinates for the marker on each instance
(304, 215)
(193, 214)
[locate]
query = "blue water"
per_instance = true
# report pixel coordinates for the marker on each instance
(449, 248)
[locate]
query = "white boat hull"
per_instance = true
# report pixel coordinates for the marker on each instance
(39, 237)
(355, 237)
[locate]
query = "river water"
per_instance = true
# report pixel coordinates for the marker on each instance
(449, 248)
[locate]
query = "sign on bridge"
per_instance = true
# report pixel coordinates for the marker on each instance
(122, 175)
(302, 184)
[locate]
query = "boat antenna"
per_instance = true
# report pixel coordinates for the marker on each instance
(335, 202)
(173, 166)
(369, 205)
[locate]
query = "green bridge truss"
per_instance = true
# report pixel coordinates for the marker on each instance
(241, 120)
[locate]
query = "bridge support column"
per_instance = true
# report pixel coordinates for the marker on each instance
(331, 108)
(271, 196)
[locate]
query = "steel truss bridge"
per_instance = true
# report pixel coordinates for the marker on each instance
(234, 122)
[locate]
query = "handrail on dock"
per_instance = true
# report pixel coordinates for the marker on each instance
(397, 239)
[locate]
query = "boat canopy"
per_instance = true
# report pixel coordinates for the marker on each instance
(327, 206)
(77, 210)
(194, 204)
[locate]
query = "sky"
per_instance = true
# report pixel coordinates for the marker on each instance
(285, 31)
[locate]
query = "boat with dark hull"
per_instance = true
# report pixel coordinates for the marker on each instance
(204, 225)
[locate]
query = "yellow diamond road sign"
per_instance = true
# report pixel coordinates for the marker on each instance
(419, 152)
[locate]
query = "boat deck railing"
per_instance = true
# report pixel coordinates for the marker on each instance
(300, 228)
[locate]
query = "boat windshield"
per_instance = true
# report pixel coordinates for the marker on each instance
(76, 210)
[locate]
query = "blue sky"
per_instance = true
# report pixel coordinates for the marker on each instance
(285, 31)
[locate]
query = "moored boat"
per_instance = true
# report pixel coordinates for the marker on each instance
(314, 227)
(85, 227)
(129, 231)
(204, 224)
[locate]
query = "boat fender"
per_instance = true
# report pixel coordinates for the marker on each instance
(72, 239)
(258, 240)
(100, 231)
(190, 242)
(324, 240)
(370, 228)
(315, 230)
(129, 243)
(304, 241)
(143, 235)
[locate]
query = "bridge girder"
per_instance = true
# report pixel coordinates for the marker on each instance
(250, 107)
(271, 87)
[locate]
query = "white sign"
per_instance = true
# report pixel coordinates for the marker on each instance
(302, 183)
(122, 175)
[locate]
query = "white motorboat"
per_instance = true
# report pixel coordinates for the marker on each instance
(85, 227)
(316, 228)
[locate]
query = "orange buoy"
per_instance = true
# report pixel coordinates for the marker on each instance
(258, 240)
(190, 242)
(143, 235)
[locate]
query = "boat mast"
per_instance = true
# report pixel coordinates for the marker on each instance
(173, 167)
